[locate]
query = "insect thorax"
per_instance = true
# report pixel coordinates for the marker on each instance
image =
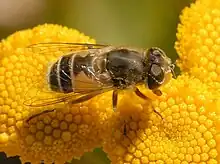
(126, 67)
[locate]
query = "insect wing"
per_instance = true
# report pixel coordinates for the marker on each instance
(54, 47)
(39, 94)
(40, 101)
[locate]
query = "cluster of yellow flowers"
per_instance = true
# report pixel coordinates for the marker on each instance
(190, 104)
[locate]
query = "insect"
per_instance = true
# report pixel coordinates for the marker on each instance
(95, 68)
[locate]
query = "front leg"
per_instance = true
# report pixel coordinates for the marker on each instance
(141, 95)
(157, 92)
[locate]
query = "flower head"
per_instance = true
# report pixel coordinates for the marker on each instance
(56, 136)
(198, 40)
(188, 131)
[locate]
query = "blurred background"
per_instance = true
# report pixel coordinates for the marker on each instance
(142, 23)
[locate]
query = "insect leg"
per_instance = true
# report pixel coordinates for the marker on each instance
(157, 92)
(114, 99)
(158, 113)
(86, 97)
(38, 114)
(125, 128)
(141, 95)
(172, 66)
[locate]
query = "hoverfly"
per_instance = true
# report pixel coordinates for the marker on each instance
(95, 68)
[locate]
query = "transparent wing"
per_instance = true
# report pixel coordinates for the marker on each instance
(51, 47)
(39, 94)
(72, 97)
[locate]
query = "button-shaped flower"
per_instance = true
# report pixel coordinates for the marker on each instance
(188, 133)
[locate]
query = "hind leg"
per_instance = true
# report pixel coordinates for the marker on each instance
(115, 99)
(38, 114)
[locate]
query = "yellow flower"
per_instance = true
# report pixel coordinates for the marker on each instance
(198, 40)
(188, 133)
(59, 135)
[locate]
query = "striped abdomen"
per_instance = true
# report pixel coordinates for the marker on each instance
(61, 75)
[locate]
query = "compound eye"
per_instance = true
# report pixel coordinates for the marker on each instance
(155, 76)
